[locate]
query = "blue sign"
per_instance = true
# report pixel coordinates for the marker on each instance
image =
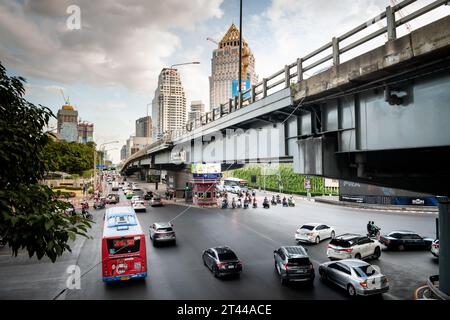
(235, 89)
(207, 175)
(100, 166)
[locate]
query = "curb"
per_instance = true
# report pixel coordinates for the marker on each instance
(430, 210)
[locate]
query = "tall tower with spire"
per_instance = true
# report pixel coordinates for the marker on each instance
(225, 67)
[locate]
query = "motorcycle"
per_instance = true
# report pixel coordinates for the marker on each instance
(233, 204)
(374, 233)
(239, 204)
(291, 202)
(285, 202)
(245, 204)
(278, 199)
(224, 204)
(86, 214)
(266, 204)
(99, 205)
(273, 201)
(255, 205)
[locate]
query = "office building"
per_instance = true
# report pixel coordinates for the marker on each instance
(225, 68)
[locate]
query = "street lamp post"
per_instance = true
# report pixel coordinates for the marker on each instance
(170, 80)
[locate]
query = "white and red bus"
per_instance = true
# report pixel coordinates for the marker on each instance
(124, 254)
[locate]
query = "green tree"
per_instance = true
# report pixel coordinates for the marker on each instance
(31, 215)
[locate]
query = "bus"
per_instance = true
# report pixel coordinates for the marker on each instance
(124, 254)
(231, 182)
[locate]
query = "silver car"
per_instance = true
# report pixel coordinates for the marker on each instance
(357, 277)
(162, 232)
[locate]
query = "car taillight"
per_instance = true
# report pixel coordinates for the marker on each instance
(286, 267)
(347, 249)
(220, 264)
(363, 284)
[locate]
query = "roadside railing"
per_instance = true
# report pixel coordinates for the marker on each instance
(319, 57)
(432, 284)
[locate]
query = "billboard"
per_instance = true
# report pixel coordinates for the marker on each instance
(245, 85)
(206, 168)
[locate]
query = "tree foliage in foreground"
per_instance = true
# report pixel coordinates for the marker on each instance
(31, 215)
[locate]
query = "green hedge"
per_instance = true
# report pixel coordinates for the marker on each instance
(291, 182)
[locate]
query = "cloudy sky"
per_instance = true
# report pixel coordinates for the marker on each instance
(109, 68)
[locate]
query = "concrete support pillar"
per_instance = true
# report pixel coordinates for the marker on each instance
(444, 245)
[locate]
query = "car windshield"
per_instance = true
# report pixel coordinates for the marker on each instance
(229, 255)
(365, 271)
(298, 261)
(168, 229)
(307, 227)
(341, 243)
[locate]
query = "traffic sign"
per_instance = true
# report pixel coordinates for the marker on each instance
(100, 166)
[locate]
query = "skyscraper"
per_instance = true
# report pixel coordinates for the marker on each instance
(85, 132)
(169, 104)
(67, 126)
(144, 127)
(225, 68)
(197, 110)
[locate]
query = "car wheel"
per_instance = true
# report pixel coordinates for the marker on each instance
(284, 281)
(351, 290)
(154, 243)
(317, 240)
(333, 234)
(401, 247)
(358, 256)
(377, 253)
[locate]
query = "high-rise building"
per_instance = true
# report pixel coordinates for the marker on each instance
(67, 126)
(225, 68)
(169, 104)
(123, 152)
(197, 110)
(85, 132)
(144, 127)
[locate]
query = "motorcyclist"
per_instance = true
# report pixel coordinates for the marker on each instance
(374, 229)
(246, 202)
(233, 203)
(266, 203)
(369, 227)
(254, 203)
(239, 203)
(291, 201)
(274, 201)
(278, 198)
(285, 203)
(224, 203)
(253, 193)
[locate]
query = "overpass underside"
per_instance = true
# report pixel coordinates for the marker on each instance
(381, 118)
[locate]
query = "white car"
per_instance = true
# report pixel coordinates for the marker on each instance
(353, 246)
(135, 198)
(314, 233)
(235, 189)
(139, 206)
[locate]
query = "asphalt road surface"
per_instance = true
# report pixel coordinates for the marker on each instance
(177, 272)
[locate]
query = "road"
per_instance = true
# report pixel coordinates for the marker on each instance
(177, 272)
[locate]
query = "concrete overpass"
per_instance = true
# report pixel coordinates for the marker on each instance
(381, 117)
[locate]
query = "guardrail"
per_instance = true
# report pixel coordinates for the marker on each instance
(296, 70)
(434, 288)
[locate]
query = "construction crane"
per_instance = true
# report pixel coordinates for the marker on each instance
(212, 40)
(66, 101)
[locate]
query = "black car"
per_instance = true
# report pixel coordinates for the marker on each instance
(402, 240)
(148, 195)
(222, 261)
(292, 264)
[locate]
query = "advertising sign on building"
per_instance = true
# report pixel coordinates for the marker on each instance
(245, 85)
(206, 168)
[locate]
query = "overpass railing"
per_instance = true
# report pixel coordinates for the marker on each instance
(319, 57)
